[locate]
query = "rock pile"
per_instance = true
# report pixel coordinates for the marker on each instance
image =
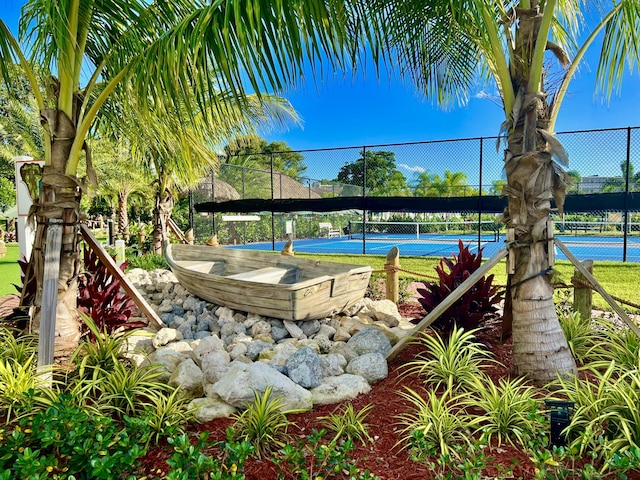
(220, 357)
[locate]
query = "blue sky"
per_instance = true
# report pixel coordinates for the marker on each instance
(365, 110)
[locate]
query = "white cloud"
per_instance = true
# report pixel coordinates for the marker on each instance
(416, 168)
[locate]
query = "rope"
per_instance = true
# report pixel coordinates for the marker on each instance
(575, 281)
(585, 284)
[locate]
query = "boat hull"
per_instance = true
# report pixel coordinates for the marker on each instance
(271, 285)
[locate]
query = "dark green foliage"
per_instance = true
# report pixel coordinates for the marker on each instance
(99, 297)
(65, 439)
(189, 462)
(468, 311)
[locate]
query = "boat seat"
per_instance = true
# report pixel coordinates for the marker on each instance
(263, 275)
(197, 266)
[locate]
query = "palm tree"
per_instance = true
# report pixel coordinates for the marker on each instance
(446, 48)
(178, 150)
(163, 52)
(119, 178)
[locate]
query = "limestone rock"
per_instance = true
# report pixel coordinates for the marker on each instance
(371, 366)
(339, 389)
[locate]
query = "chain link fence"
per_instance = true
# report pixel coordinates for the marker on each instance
(437, 192)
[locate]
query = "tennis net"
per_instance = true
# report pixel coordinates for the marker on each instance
(486, 231)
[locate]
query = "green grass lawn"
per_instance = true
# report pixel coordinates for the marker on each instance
(9, 270)
(619, 279)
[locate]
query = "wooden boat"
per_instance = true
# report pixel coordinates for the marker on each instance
(272, 285)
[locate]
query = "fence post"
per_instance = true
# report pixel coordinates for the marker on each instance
(583, 296)
(625, 225)
(392, 281)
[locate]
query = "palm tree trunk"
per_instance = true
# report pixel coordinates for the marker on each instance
(540, 350)
(123, 216)
(161, 214)
(59, 199)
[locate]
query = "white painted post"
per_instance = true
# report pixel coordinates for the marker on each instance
(26, 232)
(47, 334)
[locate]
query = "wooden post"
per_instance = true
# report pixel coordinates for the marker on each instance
(447, 302)
(583, 296)
(603, 293)
(47, 334)
(392, 281)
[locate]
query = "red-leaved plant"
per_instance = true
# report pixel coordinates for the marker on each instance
(468, 311)
(99, 297)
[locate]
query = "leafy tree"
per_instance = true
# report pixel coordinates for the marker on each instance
(618, 184)
(497, 186)
(453, 184)
(382, 176)
(7, 193)
(443, 46)
(575, 179)
(260, 153)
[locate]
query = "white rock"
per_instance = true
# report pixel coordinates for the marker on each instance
(166, 335)
(188, 377)
(207, 409)
(294, 330)
(237, 387)
(214, 365)
(339, 389)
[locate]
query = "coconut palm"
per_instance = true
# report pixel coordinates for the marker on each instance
(177, 150)
(163, 52)
(448, 48)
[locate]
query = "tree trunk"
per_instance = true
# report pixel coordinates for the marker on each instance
(161, 214)
(540, 349)
(59, 199)
(123, 216)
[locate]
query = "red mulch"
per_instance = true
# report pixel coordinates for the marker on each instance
(383, 458)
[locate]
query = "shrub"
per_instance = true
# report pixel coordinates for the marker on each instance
(148, 261)
(579, 333)
(509, 411)
(349, 424)
(99, 297)
(65, 440)
(264, 423)
(469, 310)
(454, 362)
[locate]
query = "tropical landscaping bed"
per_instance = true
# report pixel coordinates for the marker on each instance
(450, 407)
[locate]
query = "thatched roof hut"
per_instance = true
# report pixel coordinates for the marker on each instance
(286, 187)
(220, 191)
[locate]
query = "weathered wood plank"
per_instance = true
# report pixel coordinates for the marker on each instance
(47, 335)
(392, 282)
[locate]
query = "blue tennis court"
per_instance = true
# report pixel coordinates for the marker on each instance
(599, 248)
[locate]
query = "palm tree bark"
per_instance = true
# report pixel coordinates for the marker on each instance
(161, 214)
(59, 199)
(123, 216)
(540, 349)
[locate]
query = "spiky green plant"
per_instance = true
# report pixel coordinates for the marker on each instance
(128, 390)
(454, 361)
(579, 333)
(619, 345)
(167, 414)
(17, 380)
(101, 351)
(17, 345)
(438, 421)
(263, 423)
(349, 424)
(606, 418)
(508, 410)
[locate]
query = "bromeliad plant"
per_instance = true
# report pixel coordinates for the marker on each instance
(469, 310)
